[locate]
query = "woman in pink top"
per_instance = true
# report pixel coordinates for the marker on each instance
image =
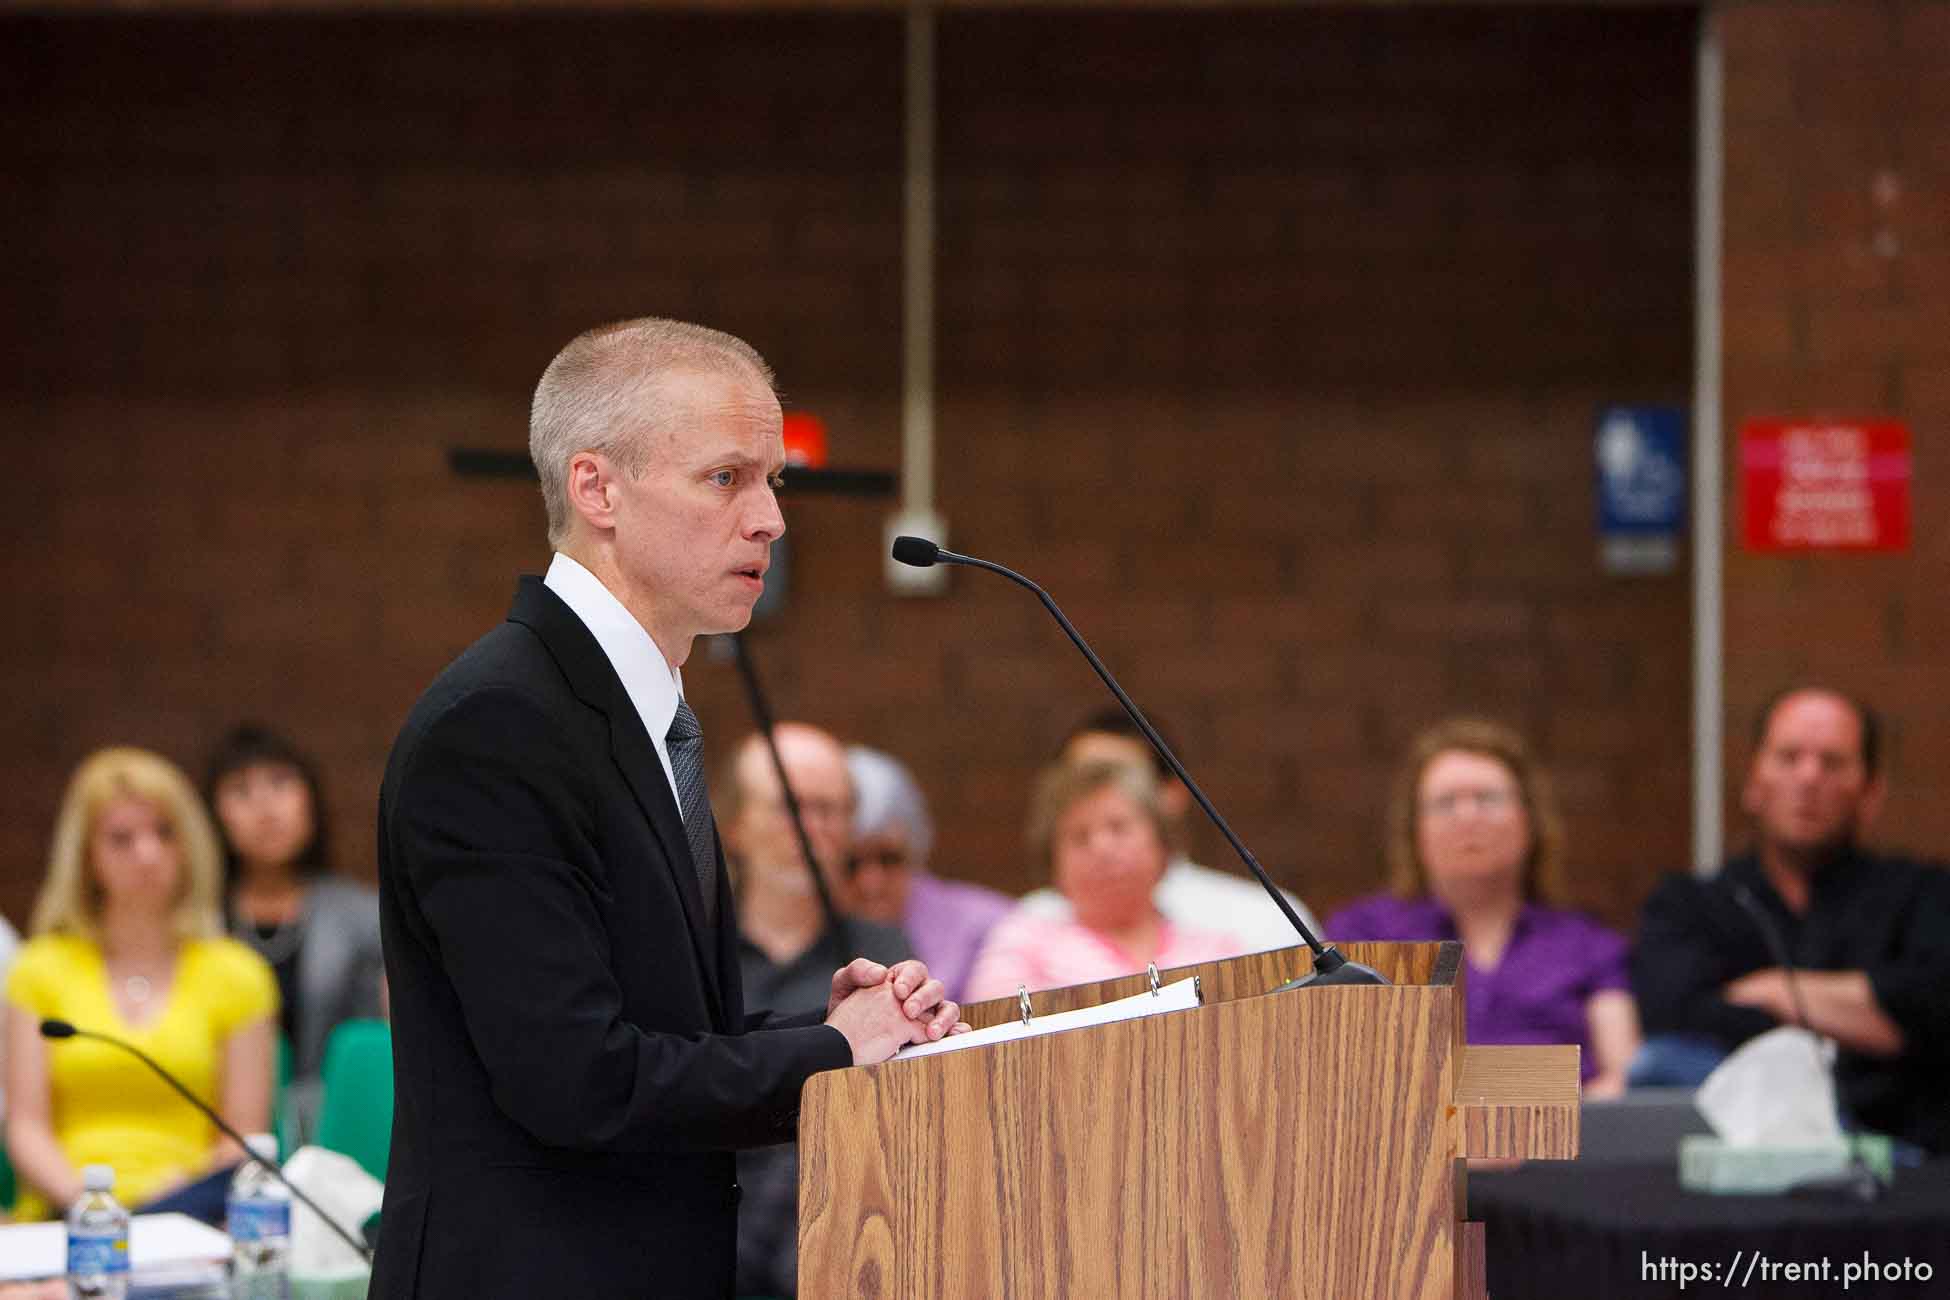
(1098, 830)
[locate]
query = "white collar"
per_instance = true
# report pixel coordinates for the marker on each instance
(653, 686)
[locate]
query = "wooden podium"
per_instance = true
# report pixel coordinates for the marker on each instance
(1304, 1144)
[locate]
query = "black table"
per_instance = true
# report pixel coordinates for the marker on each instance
(1553, 1231)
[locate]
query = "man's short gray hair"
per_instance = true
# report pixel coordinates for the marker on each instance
(601, 394)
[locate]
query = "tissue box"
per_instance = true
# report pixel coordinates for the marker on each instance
(1708, 1164)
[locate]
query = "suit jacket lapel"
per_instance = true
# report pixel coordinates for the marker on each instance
(596, 684)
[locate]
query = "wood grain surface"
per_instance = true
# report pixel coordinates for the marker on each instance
(1520, 1101)
(1221, 981)
(1297, 1144)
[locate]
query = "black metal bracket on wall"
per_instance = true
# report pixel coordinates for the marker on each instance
(487, 463)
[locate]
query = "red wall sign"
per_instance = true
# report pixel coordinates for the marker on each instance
(1828, 485)
(805, 440)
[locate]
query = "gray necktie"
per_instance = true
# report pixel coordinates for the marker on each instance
(685, 741)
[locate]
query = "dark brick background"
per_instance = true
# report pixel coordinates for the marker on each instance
(1269, 342)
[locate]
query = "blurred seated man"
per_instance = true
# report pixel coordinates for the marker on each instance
(786, 946)
(1098, 830)
(888, 872)
(1868, 936)
(1189, 894)
(1476, 852)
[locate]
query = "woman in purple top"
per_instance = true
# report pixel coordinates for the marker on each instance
(945, 920)
(1475, 852)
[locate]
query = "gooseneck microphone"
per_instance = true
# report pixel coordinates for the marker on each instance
(59, 1029)
(1860, 1182)
(1330, 966)
(1777, 948)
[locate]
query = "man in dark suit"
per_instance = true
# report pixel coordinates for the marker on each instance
(573, 1062)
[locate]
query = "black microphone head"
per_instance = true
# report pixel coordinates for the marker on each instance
(916, 551)
(56, 1029)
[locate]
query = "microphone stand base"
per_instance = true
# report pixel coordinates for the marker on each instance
(1332, 969)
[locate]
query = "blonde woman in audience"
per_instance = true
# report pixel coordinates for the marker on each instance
(1476, 853)
(1098, 829)
(127, 939)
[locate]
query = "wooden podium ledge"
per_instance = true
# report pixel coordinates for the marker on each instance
(1519, 1102)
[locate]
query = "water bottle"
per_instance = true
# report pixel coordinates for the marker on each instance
(259, 1220)
(98, 1240)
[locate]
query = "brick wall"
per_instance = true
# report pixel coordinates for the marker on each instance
(1269, 342)
(1837, 280)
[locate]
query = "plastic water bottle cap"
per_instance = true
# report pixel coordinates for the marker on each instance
(264, 1146)
(97, 1178)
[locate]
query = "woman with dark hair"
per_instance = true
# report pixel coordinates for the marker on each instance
(1475, 852)
(320, 933)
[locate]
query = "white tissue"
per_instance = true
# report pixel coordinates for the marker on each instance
(346, 1192)
(1776, 1090)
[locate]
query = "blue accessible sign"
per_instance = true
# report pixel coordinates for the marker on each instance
(1641, 466)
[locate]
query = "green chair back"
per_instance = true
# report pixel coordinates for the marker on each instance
(282, 1120)
(356, 1117)
(7, 1189)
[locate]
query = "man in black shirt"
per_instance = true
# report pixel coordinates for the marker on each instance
(1809, 927)
(783, 936)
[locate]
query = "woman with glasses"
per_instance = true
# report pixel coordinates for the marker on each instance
(1475, 852)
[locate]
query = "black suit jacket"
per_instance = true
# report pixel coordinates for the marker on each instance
(573, 1065)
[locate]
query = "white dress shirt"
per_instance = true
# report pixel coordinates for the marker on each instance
(653, 686)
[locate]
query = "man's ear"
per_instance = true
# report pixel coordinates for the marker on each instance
(592, 489)
(1873, 796)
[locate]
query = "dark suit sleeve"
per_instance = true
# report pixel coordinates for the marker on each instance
(756, 1020)
(1909, 984)
(369, 963)
(1683, 961)
(492, 826)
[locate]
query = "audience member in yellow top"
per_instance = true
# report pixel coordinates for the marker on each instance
(128, 941)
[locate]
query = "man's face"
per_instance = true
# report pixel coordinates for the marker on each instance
(1809, 791)
(694, 531)
(762, 837)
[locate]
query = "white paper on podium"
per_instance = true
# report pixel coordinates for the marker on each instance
(1179, 996)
